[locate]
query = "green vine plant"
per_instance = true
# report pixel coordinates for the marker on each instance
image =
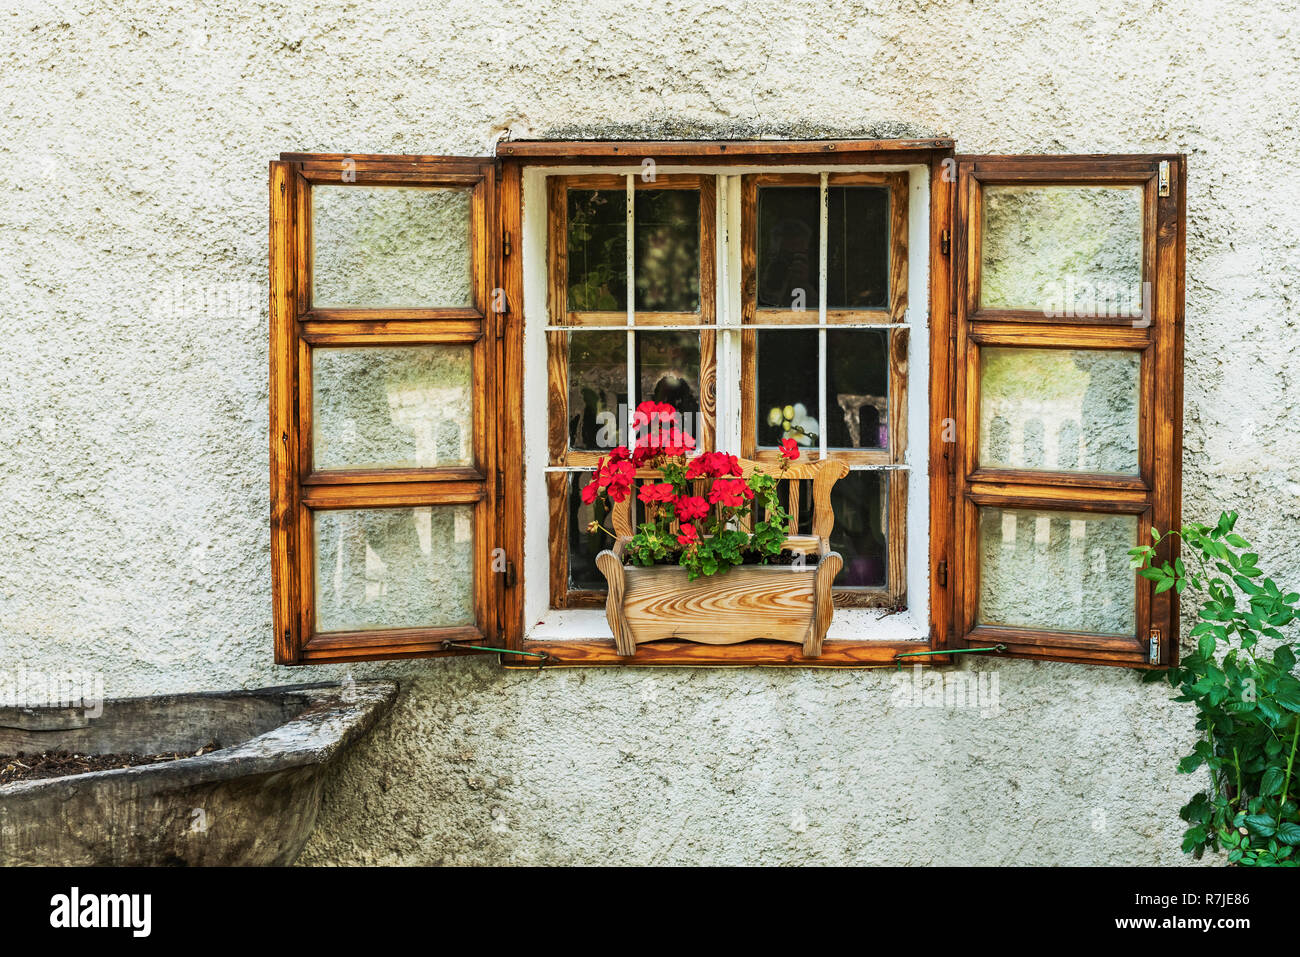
(1247, 701)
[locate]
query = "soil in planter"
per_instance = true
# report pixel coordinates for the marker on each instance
(810, 560)
(56, 764)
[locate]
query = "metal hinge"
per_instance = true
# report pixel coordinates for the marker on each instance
(501, 483)
(945, 241)
(1153, 653)
(941, 571)
(1163, 180)
(505, 244)
(510, 574)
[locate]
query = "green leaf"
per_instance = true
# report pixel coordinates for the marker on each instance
(1261, 824)
(1288, 832)
(1271, 782)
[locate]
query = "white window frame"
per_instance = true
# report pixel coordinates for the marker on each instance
(541, 622)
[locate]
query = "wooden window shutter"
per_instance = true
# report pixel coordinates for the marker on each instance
(386, 321)
(1068, 398)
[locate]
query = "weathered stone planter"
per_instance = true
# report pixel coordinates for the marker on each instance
(252, 802)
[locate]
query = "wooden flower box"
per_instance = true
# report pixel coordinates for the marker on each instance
(774, 602)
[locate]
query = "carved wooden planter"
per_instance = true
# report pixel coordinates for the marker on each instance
(748, 602)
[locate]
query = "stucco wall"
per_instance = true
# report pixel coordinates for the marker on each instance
(134, 426)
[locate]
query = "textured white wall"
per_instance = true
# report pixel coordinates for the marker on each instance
(134, 433)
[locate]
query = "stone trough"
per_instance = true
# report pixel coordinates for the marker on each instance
(253, 802)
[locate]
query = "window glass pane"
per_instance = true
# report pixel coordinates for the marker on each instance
(857, 247)
(394, 567)
(1057, 571)
(1063, 250)
(788, 247)
(861, 504)
(597, 390)
(788, 406)
(668, 370)
(408, 407)
(597, 250)
(391, 246)
(1059, 409)
(857, 386)
(584, 546)
(667, 255)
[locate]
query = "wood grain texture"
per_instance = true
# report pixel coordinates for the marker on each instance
(898, 237)
(611, 566)
(737, 150)
(557, 396)
(510, 431)
(286, 596)
(557, 495)
(823, 606)
(896, 539)
(899, 343)
(742, 604)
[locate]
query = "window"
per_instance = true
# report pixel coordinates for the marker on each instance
(455, 341)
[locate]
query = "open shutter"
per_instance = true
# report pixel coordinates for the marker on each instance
(384, 346)
(1068, 386)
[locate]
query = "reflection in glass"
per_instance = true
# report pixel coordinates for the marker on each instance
(861, 504)
(382, 568)
(857, 247)
(857, 384)
(597, 390)
(788, 247)
(1057, 571)
(405, 407)
(667, 254)
(584, 546)
(1059, 409)
(597, 250)
(788, 407)
(668, 370)
(1063, 250)
(391, 246)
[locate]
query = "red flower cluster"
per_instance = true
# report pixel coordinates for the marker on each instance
(657, 492)
(687, 536)
(691, 507)
(730, 493)
(789, 449)
(613, 472)
(664, 437)
(713, 465)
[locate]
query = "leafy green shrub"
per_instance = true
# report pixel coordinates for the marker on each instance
(1247, 703)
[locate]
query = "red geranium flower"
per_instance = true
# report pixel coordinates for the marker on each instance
(589, 492)
(713, 465)
(656, 492)
(691, 507)
(730, 493)
(789, 449)
(688, 536)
